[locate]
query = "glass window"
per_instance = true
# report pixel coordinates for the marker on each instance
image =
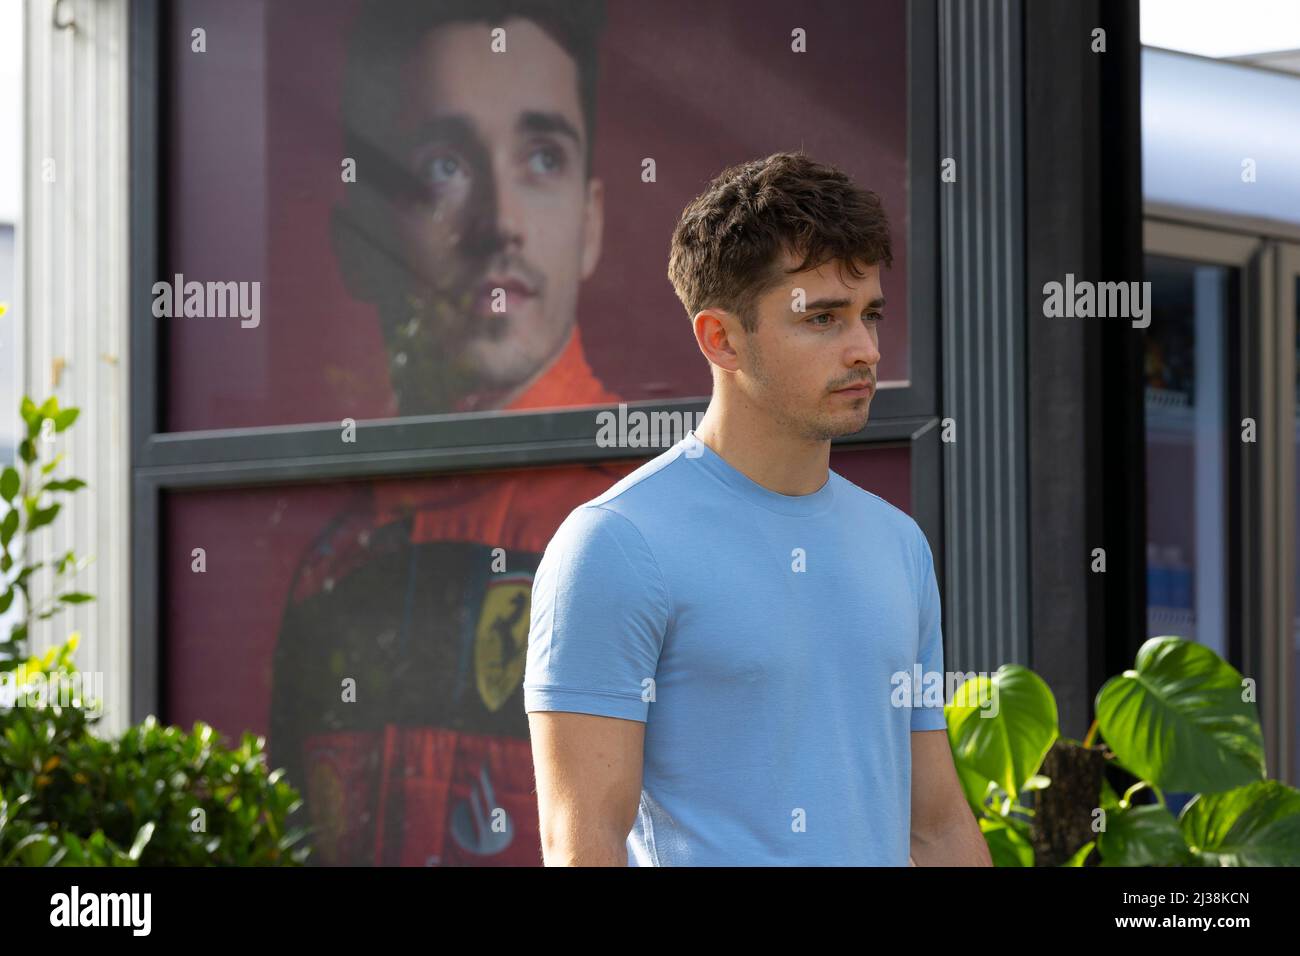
(348, 183)
(1194, 312)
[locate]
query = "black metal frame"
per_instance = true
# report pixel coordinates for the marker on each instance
(1083, 195)
(428, 445)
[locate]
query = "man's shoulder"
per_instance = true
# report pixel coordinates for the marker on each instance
(885, 518)
(604, 544)
(638, 499)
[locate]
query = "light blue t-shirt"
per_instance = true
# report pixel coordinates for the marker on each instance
(760, 637)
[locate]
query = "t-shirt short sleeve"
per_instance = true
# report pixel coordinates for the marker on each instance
(929, 642)
(600, 609)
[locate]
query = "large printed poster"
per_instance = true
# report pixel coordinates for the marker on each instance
(441, 217)
(444, 219)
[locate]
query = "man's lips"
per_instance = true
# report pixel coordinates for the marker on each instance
(516, 291)
(861, 388)
(512, 285)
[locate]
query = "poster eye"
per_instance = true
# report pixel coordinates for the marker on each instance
(546, 159)
(440, 169)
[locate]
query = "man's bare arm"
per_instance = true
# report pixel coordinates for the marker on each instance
(944, 831)
(588, 771)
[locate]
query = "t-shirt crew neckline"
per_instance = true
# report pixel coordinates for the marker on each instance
(696, 452)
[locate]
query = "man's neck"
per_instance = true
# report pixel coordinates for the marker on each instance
(578, 376)
(762, 449)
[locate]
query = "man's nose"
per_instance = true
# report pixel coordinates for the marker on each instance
(498, 213)
(864, 346)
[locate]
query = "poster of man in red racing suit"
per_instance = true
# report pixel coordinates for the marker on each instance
(397, 708)
(396, 705)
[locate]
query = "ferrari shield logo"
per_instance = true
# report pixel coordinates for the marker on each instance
(501, 639)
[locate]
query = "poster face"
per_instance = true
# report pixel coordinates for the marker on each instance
(478, 218)
(443, 219)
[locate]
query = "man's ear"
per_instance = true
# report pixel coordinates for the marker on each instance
(593, 228)
(715, 338)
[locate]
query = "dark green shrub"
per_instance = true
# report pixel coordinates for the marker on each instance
(155, 796)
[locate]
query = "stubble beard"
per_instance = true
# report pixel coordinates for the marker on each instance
(812, 427)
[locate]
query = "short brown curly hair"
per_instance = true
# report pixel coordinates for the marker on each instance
(726, 246)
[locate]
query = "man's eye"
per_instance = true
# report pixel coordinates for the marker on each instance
(546, 159)
(441, 169)
(869, 316)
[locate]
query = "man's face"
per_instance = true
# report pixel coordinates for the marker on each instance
(497, 142)
(796, 361)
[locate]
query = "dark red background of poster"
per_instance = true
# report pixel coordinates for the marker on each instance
(253, 146)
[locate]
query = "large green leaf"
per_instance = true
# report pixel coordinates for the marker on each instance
(69, 484)
(8, 526)
(40, 517)
(30, 413)
(9, 483)
(1109, 798)
(1008, 844)
(1006, 743)
(1179, 721)
(64, 418)
(1254, 825)
(974, 784)
(1146, 835)
(1081, 855)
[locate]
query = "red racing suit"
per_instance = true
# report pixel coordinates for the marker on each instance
(396, 703)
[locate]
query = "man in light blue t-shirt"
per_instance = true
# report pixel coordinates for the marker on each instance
(729, 648)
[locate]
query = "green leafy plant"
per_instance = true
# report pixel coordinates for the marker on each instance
(155, 796)
(26, 510)
(1180, 721)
